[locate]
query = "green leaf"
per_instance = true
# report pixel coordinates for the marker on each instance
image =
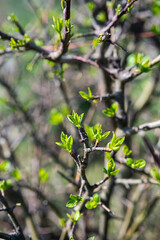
(77, 216)
(58, 25)
(77, 198)
(155, 173)
(110, 112)
(140, 60)
(43, 175)
(108, 155)
(84, 95)
(110, 166)
(156, 7)
(62, 222)
(71, 203)
(101, 16)
(68, 25)
(95, 132)
(139, 164)
(116, 143)
(74, 200)
(96, 198)
(126, 150)
(155, 29)
(5, 166)
(91, 205)
(13, 44)
(12, 17)
(61, 145)
(129, 162)
(114, 172)
(91, 6)
(75, 119)
(16, 174)
(91, 238)
(56, 117)
(69, 144)
(4, 185)
(62, 4)
(118, 9)
(105, 135)
(90, 133)
(63, 137)
(89, 92)
(105, 170)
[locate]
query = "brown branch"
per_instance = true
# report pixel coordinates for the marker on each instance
(117, 17)
(16, 225)
(137, 72)
(129, 181)
(101, 149)
(143, 127)
(67, 178)
(43, 197)
(28, 118)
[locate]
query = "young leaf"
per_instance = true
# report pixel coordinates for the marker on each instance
(71, 203)
(118, 9)
(105, 135)
(16, 174)
(4, 185)
(91, 6)
(90, 133)
(75, 119)
(105, 170)
(74, 200)
(43, 175)
(110, 166)
(5, 166)
(110, 112)
(68, 25)
(62, 4)
(126, 150)
(155, 173)
(85, 95)
(90, 205)
(77, 216)
(58, 25)
(96, 198)
(108, 155)
(114, 172)
(130, 162)
(62, 222)
(91, 238)
(13, 44)
(139, 164)
(61, 145)
(56, 117)
(116, 143)
(63, 137)
(69, 144)
(89, 92)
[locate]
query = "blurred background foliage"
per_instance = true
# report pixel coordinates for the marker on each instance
(48, 92)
